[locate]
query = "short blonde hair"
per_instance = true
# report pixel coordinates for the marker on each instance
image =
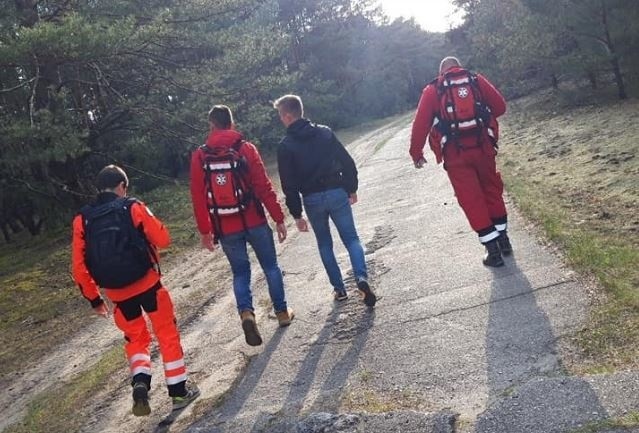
(447, 63)
(290, 104)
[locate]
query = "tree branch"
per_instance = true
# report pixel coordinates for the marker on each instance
(32, 188)
(131, 167)
(11, 89)
(33, 92)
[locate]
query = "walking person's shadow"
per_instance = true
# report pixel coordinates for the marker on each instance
(528, 389)
(329, 361)
(319, 379)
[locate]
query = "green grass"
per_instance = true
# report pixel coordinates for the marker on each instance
(610, 338)
(628, 421)
(372, 401)
(63, 408)
(583, 190)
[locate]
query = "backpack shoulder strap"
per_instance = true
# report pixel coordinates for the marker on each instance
(238, 144)
(85, 210)
(128, 201)
(204, 150)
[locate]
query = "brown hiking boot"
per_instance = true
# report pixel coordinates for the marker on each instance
(285, 317)
(251, 334)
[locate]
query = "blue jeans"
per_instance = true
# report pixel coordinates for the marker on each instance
(333, 204)
(261, 239)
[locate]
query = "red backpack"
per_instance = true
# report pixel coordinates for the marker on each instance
(462, 111)
(227, 190)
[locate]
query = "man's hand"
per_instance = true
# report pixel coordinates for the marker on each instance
(352, 198)
(207, 241)
(102, 310)
(420, 163)
(281, 231)
(301, 224)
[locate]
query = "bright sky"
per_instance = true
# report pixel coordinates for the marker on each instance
(432, 15)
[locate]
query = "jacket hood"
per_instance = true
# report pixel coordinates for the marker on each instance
(105, 197)
(302, 128)
(223, 138)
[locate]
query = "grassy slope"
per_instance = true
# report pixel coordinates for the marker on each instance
(576, 172)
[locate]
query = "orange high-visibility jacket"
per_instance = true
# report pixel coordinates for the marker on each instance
(156, 234)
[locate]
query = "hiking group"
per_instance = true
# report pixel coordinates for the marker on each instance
(116, 239)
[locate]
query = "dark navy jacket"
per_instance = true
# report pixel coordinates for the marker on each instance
(312, 159)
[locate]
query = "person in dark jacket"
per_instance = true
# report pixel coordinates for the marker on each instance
(314, 164)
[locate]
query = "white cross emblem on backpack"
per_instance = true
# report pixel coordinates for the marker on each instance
(462, 92)
(220, 179)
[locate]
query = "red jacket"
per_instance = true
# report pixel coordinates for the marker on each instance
(258, 181)
(155, 233)
(428, 109)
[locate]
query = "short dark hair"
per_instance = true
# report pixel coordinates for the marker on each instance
(291, 104)
(221, 117)
(110, 177)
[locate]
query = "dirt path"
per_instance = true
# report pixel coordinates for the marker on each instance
(216, 354)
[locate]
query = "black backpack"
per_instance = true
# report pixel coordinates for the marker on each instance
(116, 253)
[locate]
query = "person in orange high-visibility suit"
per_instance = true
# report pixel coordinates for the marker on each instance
(467, 146)
(146, 294)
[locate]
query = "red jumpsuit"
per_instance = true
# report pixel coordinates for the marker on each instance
(470, 163)
(147, 294)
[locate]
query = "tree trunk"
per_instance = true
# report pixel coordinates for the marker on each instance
(592, 78)
(614, 58)
(5, 232)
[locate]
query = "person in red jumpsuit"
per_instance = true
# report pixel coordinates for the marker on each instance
(466, 143)
(146, 294)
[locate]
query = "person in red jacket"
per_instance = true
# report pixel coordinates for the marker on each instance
(115, 265)
(458, 113)
(227, 157)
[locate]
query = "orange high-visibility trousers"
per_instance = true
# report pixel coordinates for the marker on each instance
(157, 305)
